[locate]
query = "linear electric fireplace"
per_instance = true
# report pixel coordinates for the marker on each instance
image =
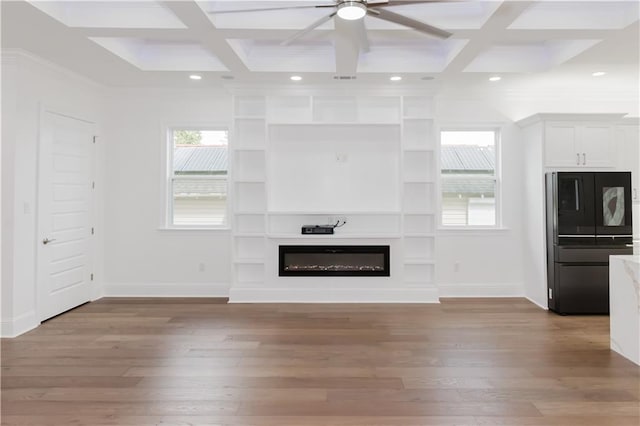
(341, 261)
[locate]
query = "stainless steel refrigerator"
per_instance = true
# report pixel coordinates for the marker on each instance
(588, 219)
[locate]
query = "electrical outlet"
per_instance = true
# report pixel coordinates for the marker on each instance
(456, 266)
(201, 267)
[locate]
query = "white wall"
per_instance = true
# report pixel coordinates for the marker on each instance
(28, 84)
(140, 257)
(484, 262)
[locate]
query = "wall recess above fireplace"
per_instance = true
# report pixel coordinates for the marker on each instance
(341, 260)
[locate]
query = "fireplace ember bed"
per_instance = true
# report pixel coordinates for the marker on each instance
(342, 261)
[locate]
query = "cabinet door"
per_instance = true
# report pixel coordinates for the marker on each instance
(582, 289)
(560, 145)
(596, 145)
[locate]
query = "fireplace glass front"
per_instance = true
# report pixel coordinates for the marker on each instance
(334, 261)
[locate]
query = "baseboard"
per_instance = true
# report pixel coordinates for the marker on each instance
(14, 327)
(166, 290)
(546, 308)
(481, 290)
(351, 295)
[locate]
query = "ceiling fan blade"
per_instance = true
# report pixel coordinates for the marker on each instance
(400, 2)
(310, 28)
(386, 15)
(363, 39)
(266, 9)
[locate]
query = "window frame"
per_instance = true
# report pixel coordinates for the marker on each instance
(498, 131)
(168, 177)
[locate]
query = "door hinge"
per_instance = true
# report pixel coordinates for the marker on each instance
(91, 277)
(93, 185)
(94, 139)
(550, 294)
(92, 231)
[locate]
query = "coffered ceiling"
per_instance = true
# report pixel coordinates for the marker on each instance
(160, 43)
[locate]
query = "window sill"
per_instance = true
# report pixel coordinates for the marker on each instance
(194, 228)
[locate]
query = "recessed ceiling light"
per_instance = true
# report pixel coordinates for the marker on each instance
(195, 77)
(227, 77)
(351, 10)
(598, 73)
(395, 78)
(427, 77)
(295, 78)
(495, 78)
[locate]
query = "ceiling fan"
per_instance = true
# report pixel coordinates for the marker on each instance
(354, 11)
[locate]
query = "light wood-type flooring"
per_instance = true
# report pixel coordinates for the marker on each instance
(204, 362)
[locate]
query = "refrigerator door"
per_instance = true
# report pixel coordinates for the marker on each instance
(574, 207)
(613, 208)
(582, 289)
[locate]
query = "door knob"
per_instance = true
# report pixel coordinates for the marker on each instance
(47, 240)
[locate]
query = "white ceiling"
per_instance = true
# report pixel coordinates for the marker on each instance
(159, 43)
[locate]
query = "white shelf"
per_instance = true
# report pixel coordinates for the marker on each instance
(250, 149)
(249, 117)
(250, 181)
(249, 261)
(249, 234)
(419, 261)
(334, 123)
(334, 213)
(419, 234)
(332, 236)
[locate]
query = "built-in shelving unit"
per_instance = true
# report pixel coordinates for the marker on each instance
(307, 159)
(249, 190)
(418, 174)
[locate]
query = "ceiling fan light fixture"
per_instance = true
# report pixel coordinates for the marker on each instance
(352, 10)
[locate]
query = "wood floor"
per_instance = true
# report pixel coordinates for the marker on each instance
(202, 362)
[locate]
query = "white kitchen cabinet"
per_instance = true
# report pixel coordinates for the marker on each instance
(579, 144)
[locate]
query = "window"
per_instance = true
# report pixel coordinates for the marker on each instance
(197, 177)
(469, 178)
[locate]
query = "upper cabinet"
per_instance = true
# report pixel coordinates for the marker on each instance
(575, 141)
(571, 144)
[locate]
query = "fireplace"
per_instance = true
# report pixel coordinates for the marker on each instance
(341, 261)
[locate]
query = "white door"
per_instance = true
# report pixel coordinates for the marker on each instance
(65, 188)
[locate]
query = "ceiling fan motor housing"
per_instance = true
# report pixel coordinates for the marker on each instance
(352, 10)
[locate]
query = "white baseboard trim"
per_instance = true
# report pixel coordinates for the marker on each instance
(546, 308)
(14, 327)
(166, 290)
(349, 295)
(481, 290)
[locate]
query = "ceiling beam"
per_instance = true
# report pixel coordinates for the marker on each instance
(207, 34)
(484, 38)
